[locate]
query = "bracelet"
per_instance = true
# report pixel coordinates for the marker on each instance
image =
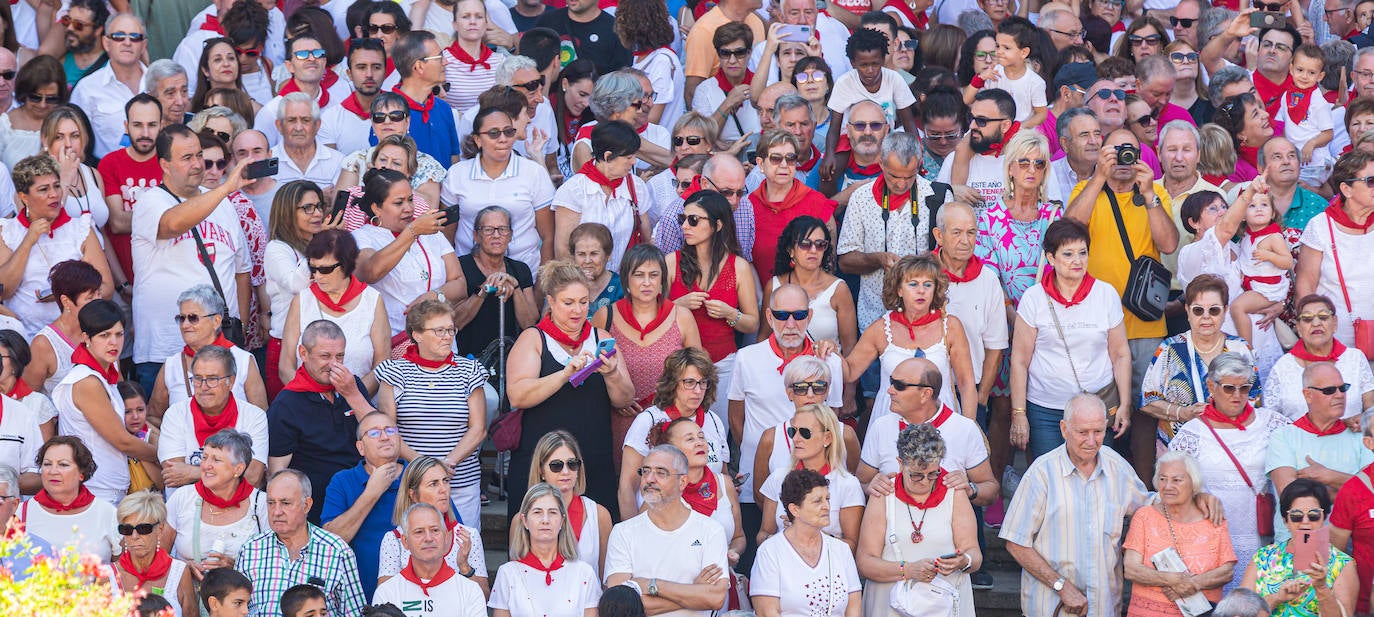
(1018, 411)
(967, 565)
(901, 569)
(738, 316)
(977, 81)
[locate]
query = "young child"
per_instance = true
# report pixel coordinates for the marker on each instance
(142, 474)
(1264, 263)
(303, 601)
(1011, 74)
(1306, 114)
(225, 593)
(869, 80)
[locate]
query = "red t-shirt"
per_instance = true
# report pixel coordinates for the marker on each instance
(1354, 511)
(771, 218)
(127, 178)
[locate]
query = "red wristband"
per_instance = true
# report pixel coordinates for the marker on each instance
(977, 81)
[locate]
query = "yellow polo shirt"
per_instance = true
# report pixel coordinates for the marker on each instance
(1107, 255)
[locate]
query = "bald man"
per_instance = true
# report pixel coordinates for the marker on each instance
(768, 100)
(724, 174)
(9, 64)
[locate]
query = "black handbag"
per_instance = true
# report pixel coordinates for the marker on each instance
(1147, 286)
(231, 327)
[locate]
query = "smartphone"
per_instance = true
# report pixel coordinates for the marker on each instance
(262, 169)
(605, 346)
(1308, 547)
(794, 34)
(450, 215)
(1267, 19)
(340, 204)
(949, 556)
(740, 479)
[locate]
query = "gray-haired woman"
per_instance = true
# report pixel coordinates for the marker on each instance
(207, 526)
(617, 96)
(199, 316)
(1229, 426)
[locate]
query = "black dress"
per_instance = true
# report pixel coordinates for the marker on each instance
(475, 337)
(584, 412)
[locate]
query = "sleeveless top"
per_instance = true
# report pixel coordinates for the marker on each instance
(169, 588)
(937, 528)
(825, 322)
(717, 337)
(111, 479)
(589, 540)
(645, 364)
(723, 514)
(62, 350)
(175, 375)
(91, 203)
(781, 456)
(894, 354)
(356, 325)
(64, 244)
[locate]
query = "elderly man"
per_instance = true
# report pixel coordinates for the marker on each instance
(866, 128)
(1065, 29)
(295, 552)
(1243, 602)
(1108, 102)
(301, 156)
(993, 113)
(722, 173)
(427, 584)
(305, 61)
(1185, 20)
(9, 67)
(346, 128)
(1351, 519)
(1276, 47)
(477, 316)
(1339, 16)
(84, 41)
(1178, 155)
(768, 100)
(421, 67)
(103, 93)
(1362, 87)
(695, 580)
(126, 174)
(19, 562)
(211, 408)
(792, 113)
(313, 422)
(251, 145)
(167, 82)
(975, 294)
(1295, 203)
(1155, 75)
(829, 31)
(1080, 139)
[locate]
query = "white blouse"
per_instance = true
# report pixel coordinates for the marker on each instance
(617, 212)
(1283, 389)
(522, 590)
(419, 271)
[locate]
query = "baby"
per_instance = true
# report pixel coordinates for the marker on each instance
(1306, 114)
(1264, 263)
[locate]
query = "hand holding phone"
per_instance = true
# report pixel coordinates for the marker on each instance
(789, 33)
(262, 169)
(1309, 547)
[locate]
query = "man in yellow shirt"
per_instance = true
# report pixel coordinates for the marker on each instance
(1146, 211)
(701, 62)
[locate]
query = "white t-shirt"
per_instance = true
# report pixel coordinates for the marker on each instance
(343, 130)
(1028, 91)
(893, 94)
(455, 597)
(617, 212)
(165, 268)
(178, 438)
(718, 449)
(182, 516)
(820, 591)
(94, 531)
(638, 547)
(1318, 119)
(523, 189)
(707, 100)
(1283, 390)
(981, 306)
(19, 435)
(845, 492)
(965, 446)
(1085, 327)
(521, 590)
(176, 374)
(419, 271)
(111, 479)
(985, 175)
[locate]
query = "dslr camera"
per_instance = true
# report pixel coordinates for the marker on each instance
(1127, 154)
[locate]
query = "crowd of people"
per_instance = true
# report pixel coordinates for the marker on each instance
(730, 286)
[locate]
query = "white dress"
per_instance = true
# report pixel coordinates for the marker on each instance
(894, 354)
(356, 325)
(16, 145)
(937, 526)
(195, 537)
(825, 322)
(1274, 292)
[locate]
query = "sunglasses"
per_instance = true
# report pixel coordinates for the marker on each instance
(983, 121)
(75, 24)
(307, 54)
(382, 28)
(324, 269)
(691, 220)
(1152, 39)
(1275, 7)
(573, 464)
(132, 37)
(691, 140)
(223, 136)
(778, 159)
(532, 85)
(732, 53)
(807, 244)
(1199, 311)
(7, 75)
(251, 52)
(1185, 22)
(1317, 316)
(803, 388)
(1108, 94)
(142, 529)
(783, 316)
(805, 433)
(950, 136)
(1145, 120)
(220, 164)
(1181, 57)
(868, 127)
(901, 386)
(38, 99)
(810, 77)
(1038, 164)
(192, 318)
(1329, 390)
(393, 116)
(1314, 515)
(1230, 389)
(929, 476)
(1367, 180)
(377, 433)
(695, 384)
(507, 132)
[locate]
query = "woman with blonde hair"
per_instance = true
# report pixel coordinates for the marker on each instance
(817, 444)
(1189, 92)
(558, 462)
(426, 480)
(544, 576)
(144, 565)
(1216, 159)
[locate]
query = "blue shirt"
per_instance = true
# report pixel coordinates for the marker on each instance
(439, 136)
(344, 490)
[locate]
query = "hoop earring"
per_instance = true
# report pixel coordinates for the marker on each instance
(374, 221)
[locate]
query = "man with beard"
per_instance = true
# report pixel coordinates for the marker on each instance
(347, 126)
(126, 173)
(1276, 47)
(103, 93)
(85, 39)
(993, 113)
(168, 82)
(943, 123)
(866, 129)
(1296, 204)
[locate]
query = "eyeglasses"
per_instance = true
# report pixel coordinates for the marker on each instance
(1075, 35)
(1329, 390)
(1367, 180)
(695, 384)
(929, 476)
(810, 77)
(807, 244)
(573, 464)
(532, 85)
(1279, 47)
(508, 133)
(1038, 164)
(950, 136)
(191, 318)
(691, 220)
(1199, 311)
(1182, 57)
(806, 433)
(803, 388)
(132, 37)
(445, 85)
(1313, 515)
(494, 230)
(1108, 94)
(1230, 389)
(983, 121)
(1275, 7)
(70, 23)
(141, 529)
(220, 164)
(312, 208)
(376, 433)
(307, 54)
(390, 116)
(9, 75)
(1185, 22)
(324, 269)
(778, 159)
(441, 332)
(657, 472)
(868, 127)
(691, 140)
(1317, 316)
(39, 99)
(1152, 39)
(641, 104)
(1330, 11)
(783, 316)
(382, 28)
(727, 193)
(901, 386)
(208, 381)
(251, 52)
(1145, 120)
(984, 55)
(738, 52)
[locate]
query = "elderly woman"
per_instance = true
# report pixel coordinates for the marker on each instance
(777, 586)
(806, 380)
(686, 389)
(783, 196)
(570, 96)
(219, 121)
(65, 512)
(645, 29)
(806, 257)
(200, 314)
(617, 96)
(397, 153)
(558, 462)
(1244, 118)
(590, 246)
(206, 526)
(188, 425)
(1175, 523)
(1189, 92)
(144, 565)
(334, 293)
(605, 191)
(1230, 438)
(298, 213)
(495, 283)
(914, 294)
(74, 284)
(888, 555)
(427, 480)
(391, 116)
(30, 244)
(437, 401)
(1040, 389)
(1334, 243)
(1324, 587)
(544, 576)
(540, 367)
(1316, 328)
(693, 134)
(816, 442)
(39, 87)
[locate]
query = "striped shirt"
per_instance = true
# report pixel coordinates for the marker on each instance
(1075, 524)
(325, 558)
(432, 409)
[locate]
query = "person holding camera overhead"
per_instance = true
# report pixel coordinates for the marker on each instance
(1129, 217)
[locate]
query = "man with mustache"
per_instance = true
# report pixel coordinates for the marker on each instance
(866, 130)
(993, 122)
(126, 174)
(85, 40)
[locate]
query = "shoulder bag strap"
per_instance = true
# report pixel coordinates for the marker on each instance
(204, 256)
(1120, 224)
(1364, 477)
(1337, 258)
(933, 204)
(1227, 449)
(1065, 341)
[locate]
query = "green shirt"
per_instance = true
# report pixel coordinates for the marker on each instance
(1306, 205)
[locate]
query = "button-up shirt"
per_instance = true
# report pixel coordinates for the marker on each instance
(323, 168)
(668, 232)
(103, 96)
(325, 561)
(866, 230)
(1074, 523)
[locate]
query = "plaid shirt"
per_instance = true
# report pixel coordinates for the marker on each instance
(265, 560)
(668, 232)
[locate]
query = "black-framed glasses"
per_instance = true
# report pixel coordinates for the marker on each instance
(190, 318)
(1329, 390)
(1107, 94)
(324, 269)
(1038, 164)
(1076, 35)
(390, 116)
(1279, 47)
(531, 85)
(806, 433)
(983, 121)
(307, 54)
(807, 244)
(1183, 57)
(35, 98)
(8, 75)
(208, 381)
(778, 158)
(738, 52)
(726, 193)
(494, 230)
(691, 220)
(313, 208)
(1317, 316)
(220, 164)
(1367, 180)
(1328, 12)
(382, 28)
(1145, 120)
(1199, 311)
(132, 37)
(1152, 39)
(1230, 389)
(141, 529)
(508, 133)
(1313, 515)
(804, 388)
(225, 137)
(691, 140)
(573, 464)
(695, 384)
(783, 316)
(376, 433)
(868, 127)
(1272, 7)
(901, 386)
(1186, 22)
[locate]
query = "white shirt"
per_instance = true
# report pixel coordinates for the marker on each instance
(420, 270)
(523, 189)
(323, 169)
(287, 275)
(985, 175)
(343, 130)
(1283, 390)
(717, 448)
(165, 268)
(819, 591)
(617, 212)
(965, 447)
(64, 244)
(183, 511)
(1085, 327)
(93, 531)
(102, 97)
(274, 47)
(266, 118)
(981, 306)
(845, 492)
(455, 597)
(1359, 280)
(1028, 91)
(893, 94)
(176, 375)
(1061, 180)
(19, 435)
(707, 100)
(111, 479)
(521, 590)
(637, 547)
(666, 76)
(178, 438)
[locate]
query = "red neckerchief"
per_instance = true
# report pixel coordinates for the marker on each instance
(241, 492)
(867, 171)
(1256, 234)
(971, 270)
(62, 219)
(18, 392)
(824, 470)
(1353, 33)
(920, 22)
(219, 341)
(702, 496)
(642, 54)
(303, 382)
(162, 562)
(1119, 26)
(726, 86)
(1052, 290)
(806, 350)
(577, 515)
(942, 416)
(83, 356)
(530, 560)
(793, 197)
(423, 108)
(673, 413)
(891, 202)
(1210, 413)
(355, 107)
(291, 86)
(355, 288)
(208, 425)
(1336, 211)
(1270, 92)
(1296, 100)
(996, 149)
(911, 325)
(1305, 423)
(547, 327)
(811, 161)
(937, 494)
(665, 310)
(212, 25)
(1214, 180)
(463, 57)
(445, 572)
(1300, 352)
(412, 356)
(84, 497)
(590, 170)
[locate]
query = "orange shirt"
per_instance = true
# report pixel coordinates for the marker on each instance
(701, 54)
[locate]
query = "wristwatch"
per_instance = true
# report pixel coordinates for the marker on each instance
(973, 493)
(1059, 585)
(653, 587)
(439, 295)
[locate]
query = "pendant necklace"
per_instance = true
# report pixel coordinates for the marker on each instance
(916, 535)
